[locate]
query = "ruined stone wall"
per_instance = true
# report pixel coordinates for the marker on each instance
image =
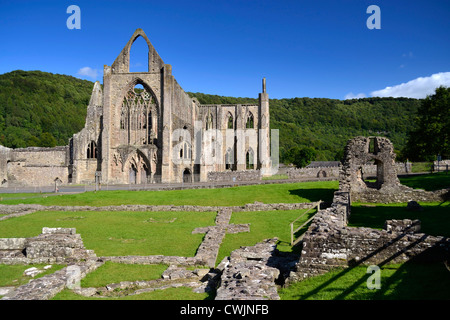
(323, 172)
(247, 175)
(37, 166)
(53, 245)
(330, 243)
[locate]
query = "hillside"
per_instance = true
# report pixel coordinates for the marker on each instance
(44, 109)
(41, 109)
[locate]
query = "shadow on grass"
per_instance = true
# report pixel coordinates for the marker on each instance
(314, 194)
(423, 277)
(434, 217)
(428, 182)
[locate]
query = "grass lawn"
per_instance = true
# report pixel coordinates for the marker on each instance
(429, 182)
(234, 196)
(181, 293)
(263, 225)
(12, 275)
(407, 281)
(112, 272)
(120, 233)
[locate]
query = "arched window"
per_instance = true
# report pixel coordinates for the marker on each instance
(250, 121)
(249, 159)
(123, 119)
(92, 152)
(230, 123)
(185, 151)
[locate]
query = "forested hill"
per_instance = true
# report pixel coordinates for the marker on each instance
(41, 109)
(326, 124)
(44, 109)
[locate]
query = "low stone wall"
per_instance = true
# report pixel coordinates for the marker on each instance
(400, 194)
(53, 245)
(325, 172)
(47, 287)
(235, 176)
(21, 209)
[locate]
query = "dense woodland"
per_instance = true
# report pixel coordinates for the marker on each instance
(44, 109)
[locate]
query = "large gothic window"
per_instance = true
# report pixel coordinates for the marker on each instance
(138, 107)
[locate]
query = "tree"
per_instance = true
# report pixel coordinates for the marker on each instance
(301, 157)
(433, 128)
(47, 140)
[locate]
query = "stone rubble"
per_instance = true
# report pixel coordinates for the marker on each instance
(248, 275)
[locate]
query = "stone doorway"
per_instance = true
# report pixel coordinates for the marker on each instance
(187, 176)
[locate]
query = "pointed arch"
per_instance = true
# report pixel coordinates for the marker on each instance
(250, 159)
(122, 62)
(250, 123)
(139, 113)
(230, 120)
(229, 159)
(92, 151)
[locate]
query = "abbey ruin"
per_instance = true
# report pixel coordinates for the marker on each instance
(144, 128)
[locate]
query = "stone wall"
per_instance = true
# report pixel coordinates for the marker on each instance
(323, 172)
(34, 166)
(247, 175)
(53, 245)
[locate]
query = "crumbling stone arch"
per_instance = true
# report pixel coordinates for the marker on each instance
(122, 62)
(361, 151)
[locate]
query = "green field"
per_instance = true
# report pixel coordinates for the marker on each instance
(170, 233)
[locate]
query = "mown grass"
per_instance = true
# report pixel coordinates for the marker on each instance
(429, 182)
(263, 225)
(120, 233)
(111, 272)
(12, 275)
(233, 196)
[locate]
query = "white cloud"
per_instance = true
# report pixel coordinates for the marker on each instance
(418, 88)
(350, 95)
(88, 72)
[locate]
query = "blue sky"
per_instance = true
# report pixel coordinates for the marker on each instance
(303, 48)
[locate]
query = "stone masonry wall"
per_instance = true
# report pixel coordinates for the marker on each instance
(54, 245)
(247, 175)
